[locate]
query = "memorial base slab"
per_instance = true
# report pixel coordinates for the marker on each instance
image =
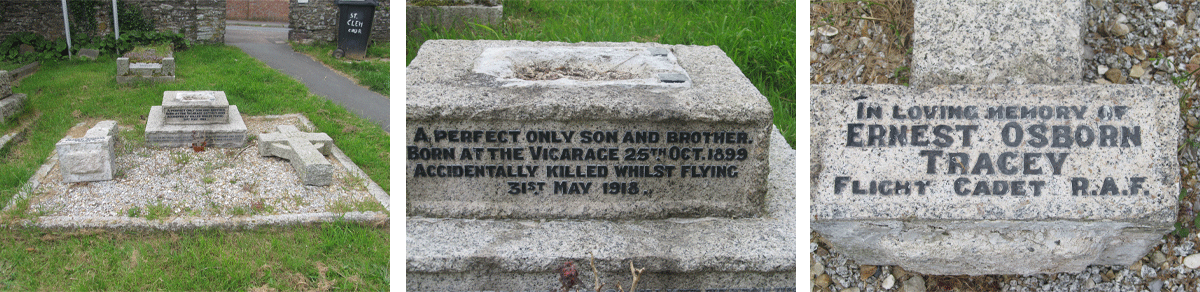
(681, 253)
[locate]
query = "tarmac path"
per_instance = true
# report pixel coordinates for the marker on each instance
(267, 42)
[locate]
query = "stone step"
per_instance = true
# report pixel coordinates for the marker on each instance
(997, 42)
(516, 130)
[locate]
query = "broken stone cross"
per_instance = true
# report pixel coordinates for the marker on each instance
(306, 152)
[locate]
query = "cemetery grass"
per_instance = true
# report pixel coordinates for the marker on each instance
(330, 256)
(374, 73)
(759, 36)
(63, 93)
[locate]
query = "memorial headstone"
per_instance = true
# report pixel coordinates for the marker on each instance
(994, 176)
(635, 143)
(10, 103)
(305, 151)
(91, 157)
(187, 118)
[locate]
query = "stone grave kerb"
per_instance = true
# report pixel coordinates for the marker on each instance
(305, 151)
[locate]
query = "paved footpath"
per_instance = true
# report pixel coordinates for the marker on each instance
(267, 42)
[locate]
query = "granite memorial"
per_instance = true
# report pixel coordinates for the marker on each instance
(305, 151)
(654, 154)
(1006, 166)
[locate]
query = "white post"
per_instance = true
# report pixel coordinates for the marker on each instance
(67, 28)
(116, 25)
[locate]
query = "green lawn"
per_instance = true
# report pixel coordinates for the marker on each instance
(759, 36)
(62, 93)
(373, 73)
(336, 256)
(8, 66)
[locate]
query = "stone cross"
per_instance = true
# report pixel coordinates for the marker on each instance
(306, 152)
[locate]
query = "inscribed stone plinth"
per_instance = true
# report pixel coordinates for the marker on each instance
(195, 107)
(90, 158)
(5, 83)
(992, 179)
(305, 151)
(603, 138)
(997, 42)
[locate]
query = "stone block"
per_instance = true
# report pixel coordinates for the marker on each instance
(129, 79)
(122, 66)
(145, 69)
(195, 107)
(161, 134)
(5, 83)
(305, 151)
(89, 53)
(444, 254)
(606, 141)
(997, 42)
(90, 158)
(994, 179)
(11, 105)
(452, 16)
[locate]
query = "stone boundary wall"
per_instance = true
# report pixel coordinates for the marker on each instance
(317, 20)
(257, 10)
(201, 21)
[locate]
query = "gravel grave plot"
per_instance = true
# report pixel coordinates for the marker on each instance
(1131, 42)
(220, 186)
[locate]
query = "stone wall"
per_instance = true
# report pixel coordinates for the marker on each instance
(201, 21)
(317, 20)
(257, 10)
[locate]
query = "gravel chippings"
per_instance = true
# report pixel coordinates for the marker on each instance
(1131, 42)
(216, 185)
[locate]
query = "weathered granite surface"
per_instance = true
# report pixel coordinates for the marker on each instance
(305, 151)
(622, 131)
(161, 134)
(994, 179)
(997, 42)
(91, 157)
(195, 107)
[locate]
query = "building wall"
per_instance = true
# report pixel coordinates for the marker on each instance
(317, 20)
(257, 10)
(200, 21)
